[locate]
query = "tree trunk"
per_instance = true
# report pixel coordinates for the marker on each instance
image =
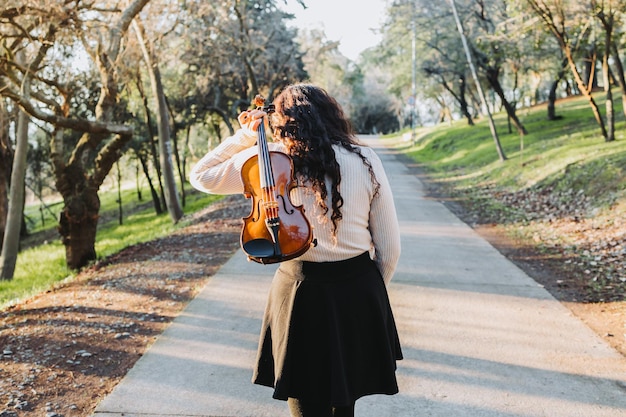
(120, 205)
(606, 80)
(589, 66)
(165, 145)
(174, 141)
(492, 77)
(6, 160)
(153, 150)
(552, 94)
(78, 224)
(156, 200)
(138, 184)
(621, 80)
(11, 239)
(607, 18)
(463, 101)
(552, 99)
(186, 150)
(584, 90)
(78, 221)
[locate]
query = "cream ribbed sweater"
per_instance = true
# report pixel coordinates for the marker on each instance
(369, 222)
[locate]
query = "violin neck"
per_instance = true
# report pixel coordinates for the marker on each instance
(265, 164)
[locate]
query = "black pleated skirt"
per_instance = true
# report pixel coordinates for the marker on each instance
(328, 333)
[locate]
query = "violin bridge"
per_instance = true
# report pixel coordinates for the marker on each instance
(269, 205)
(271, 209)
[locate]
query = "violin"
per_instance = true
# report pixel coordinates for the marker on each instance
(275, 230)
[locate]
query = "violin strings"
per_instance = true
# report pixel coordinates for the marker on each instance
(268, 179)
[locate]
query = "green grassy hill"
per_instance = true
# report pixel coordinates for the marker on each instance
(561, 191)
(41, 262)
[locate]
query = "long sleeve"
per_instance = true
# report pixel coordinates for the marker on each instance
(384, 226)
(219, 171)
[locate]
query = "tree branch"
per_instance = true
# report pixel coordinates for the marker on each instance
(80, 125)
(107, 156)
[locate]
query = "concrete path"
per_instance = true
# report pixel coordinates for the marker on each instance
(480, 338)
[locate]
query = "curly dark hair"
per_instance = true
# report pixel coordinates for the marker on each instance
(309, 122)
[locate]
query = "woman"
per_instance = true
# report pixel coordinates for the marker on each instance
(328, 335)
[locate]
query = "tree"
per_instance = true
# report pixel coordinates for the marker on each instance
(372, 109)
(450, 75)
(443, 59)
(395, 52)
(557, 19)
(617, 60)
(492, 127)
(606, 13)
(491, 48)
(80, 166)
(171, 194)
(439, 53)
(326, 66)
(227, 52)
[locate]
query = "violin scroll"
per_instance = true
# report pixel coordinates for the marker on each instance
(259, 101)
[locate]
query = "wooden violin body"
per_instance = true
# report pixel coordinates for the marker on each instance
(293, 235)
(275, 230)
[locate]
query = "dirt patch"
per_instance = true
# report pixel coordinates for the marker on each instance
(64, 350)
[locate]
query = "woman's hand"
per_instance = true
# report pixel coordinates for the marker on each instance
(250, 120)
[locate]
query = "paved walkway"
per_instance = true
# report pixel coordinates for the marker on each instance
(480, 338)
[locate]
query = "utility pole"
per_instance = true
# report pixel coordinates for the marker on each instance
(413, 76)
(470, 61)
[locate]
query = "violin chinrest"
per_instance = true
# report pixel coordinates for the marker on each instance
(259, 248)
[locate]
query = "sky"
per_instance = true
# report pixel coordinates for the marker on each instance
(347, 21)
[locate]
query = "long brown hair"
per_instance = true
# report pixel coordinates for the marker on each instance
(309, 121)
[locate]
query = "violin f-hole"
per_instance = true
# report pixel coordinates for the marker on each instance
(284, 202)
